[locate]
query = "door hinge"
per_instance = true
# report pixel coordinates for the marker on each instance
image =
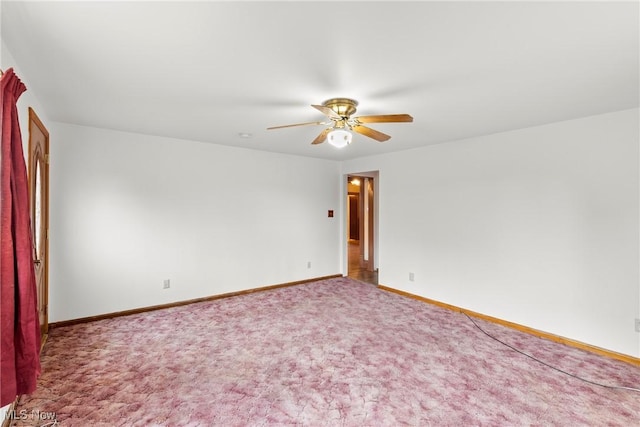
(46, 158)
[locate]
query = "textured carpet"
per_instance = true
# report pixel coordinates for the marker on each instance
(330, 353)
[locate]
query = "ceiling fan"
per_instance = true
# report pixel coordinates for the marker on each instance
(339, 111)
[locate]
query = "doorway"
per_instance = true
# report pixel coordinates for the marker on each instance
(361, 228)
(39, 203)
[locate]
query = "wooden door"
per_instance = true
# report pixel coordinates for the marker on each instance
(354, 221)
(370, 219)
(39, 195)
(367, 238)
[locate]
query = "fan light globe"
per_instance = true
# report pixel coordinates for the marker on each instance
(339, 138)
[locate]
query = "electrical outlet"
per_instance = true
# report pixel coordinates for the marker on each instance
(308, 264)
(637, 325)
(167, 284)
(411, 277)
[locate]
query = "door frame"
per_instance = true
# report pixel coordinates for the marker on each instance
(34, 120)
(344, 239)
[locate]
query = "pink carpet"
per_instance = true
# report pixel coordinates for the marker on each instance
(331, 353)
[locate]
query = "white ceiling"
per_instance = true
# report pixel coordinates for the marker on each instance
(207, 71)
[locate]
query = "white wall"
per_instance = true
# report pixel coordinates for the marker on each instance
(129, 210)
(26, 100)
(537, 226)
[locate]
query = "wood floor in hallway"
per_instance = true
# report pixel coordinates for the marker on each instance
(356, 271)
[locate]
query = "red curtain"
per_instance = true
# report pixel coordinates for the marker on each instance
(19, 322)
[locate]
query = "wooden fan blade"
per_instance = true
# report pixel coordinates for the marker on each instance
(371, 133)
(327, 111)
(297, 124)
(320, 138)
(385, 118)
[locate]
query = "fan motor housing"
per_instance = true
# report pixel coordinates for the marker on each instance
(344, 107)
